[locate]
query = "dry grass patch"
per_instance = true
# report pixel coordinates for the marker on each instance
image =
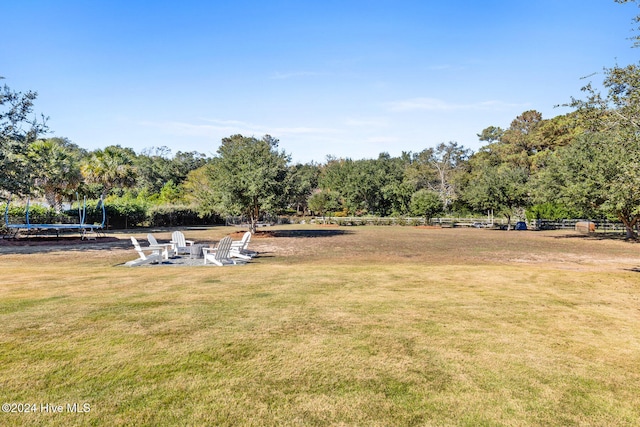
(366, 326)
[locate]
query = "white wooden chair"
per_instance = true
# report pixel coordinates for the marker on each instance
(152, 258)
(220, 256)
(166, 248)
(180, 244)
(239, 248)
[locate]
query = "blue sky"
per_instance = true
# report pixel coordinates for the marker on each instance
(344, 78)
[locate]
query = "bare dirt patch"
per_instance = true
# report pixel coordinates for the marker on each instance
(376, 245)
(261, 234)
(437, 246)
(54, 241)
(39, 244)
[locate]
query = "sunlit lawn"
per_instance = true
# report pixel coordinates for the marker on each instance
(362, 326)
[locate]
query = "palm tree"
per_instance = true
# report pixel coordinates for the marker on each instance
(56, 168)
(112, 168)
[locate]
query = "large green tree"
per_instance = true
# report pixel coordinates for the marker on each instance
(200, 193)
(367, 186)
(598, 175)
(614, 155)
(519, 143)
(323, 201)
(438, 169)
(156, 167)
(56, 164)
(153, 169)
(426, 203)
(500, 188)
(501, 171)
(248, 176)
(112, 167)
(449, 161)
(301, 181)
(19, 127)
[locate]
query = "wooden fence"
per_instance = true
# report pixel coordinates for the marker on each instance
(478, 222)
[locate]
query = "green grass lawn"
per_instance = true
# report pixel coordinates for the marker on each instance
(371, 326)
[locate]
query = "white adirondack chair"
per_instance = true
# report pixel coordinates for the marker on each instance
(239, 248)
(220, 256)
(166, 248)
(153, 257)
(180, 244)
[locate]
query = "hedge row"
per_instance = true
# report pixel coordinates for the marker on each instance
(119, 215)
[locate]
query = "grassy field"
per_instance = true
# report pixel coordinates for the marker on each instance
(370, 326)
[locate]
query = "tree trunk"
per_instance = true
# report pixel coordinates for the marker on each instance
(628, 225)
(50, 197)
(630, 234)
(254, 215)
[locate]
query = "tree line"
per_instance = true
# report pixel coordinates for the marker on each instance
(585, 164)
(557, 168)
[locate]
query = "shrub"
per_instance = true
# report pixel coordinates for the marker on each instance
(415, 221)
(172, 216)
(38, 214)
(124, 212)
(426, 203)
(401, 221)
(550, 211)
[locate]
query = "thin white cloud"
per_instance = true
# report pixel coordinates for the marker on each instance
(434, 104)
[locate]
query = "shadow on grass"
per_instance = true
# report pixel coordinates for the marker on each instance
(300, 233)
(598, 236)
(40, 244)
(53, 240)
